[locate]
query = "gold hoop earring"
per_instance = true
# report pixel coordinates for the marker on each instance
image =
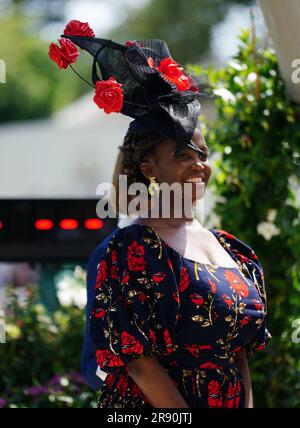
(153, 186)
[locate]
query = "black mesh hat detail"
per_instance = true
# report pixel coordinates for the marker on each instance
(151, 99)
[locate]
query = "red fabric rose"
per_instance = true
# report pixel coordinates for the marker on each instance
(129, 43)
(64, 55)
(171, 71)
(135, 256)
(102, 273)
(130, 345)
(106, 358)
(109, 95)
(77, 28)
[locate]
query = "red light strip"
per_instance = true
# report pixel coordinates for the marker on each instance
(93, 224)
(43, 224)
(68, 224)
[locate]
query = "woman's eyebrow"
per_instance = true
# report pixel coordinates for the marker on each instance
(194, 147)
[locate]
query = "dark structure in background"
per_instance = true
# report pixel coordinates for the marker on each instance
(50, 229)
(50, 235)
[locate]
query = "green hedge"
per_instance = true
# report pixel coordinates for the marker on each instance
(256, 180)
(40, 361)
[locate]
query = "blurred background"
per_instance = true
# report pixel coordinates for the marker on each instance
(57, 146)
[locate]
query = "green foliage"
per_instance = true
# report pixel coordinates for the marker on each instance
(40, 361)
(185, 25)
(256, 179)
(35, 87)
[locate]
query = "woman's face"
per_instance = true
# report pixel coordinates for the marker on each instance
(189, 164)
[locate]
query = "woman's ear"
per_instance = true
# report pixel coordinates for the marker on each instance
(146, 168)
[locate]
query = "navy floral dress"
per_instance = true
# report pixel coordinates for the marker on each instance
(150, 300)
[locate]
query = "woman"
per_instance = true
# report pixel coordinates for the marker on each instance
(177, 308)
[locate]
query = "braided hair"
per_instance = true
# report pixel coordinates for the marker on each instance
(136, 147)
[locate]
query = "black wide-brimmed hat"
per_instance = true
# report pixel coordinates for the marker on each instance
(149, 85)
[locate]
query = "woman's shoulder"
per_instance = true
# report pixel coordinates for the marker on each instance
(242, 249)
(136, 234)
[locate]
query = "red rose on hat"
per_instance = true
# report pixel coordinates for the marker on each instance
(171, 71)
(64, 55)
(77, 28)
(109, 95)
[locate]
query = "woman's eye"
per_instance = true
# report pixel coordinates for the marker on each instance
(203, 156)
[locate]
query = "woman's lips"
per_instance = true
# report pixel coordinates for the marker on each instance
(195, 179)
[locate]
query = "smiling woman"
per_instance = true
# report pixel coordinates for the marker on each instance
(177, 308)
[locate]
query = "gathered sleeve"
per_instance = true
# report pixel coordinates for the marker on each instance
(135, 305)
(262, 337)
(247, 258)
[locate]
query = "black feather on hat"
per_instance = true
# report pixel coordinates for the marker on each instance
(155, 91)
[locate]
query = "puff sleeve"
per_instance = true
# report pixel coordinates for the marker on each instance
(135, 303)
(260, 340)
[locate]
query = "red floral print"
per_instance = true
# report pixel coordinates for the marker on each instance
(237, 283)
(168, 341)
(98, 313)
(152, 337)
(114, 267)
(150, 307)
(257, 304)
(214, 394)
(175, 296)
(135, 255)
(122, 385)
(197, 299)
(105, 358)
(229, 401)
(212, 286)
(102, 273)
(184, 280)
(158, 277)
(227, 300)
(130, 345)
